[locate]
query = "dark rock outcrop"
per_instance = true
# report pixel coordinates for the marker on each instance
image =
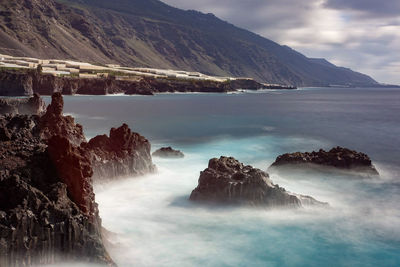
(122, 153)
(75, 170)
(24, 106)
(47, 207)
(168, 152)
(48, 211)
(54, 123)
(227, 181)
(338, 158)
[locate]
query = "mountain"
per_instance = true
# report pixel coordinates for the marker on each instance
(150, 33)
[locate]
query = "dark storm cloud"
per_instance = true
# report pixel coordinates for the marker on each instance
(360, 34)
(373, 8)
(252, 14)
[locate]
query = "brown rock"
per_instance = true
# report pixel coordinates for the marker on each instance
(74, 170)
(54, 123)
(47, 208)
(123, 153)
(227, 181)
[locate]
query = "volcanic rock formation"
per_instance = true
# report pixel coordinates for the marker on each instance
(45, 214)
(48, 211)
(227, 181)
(122, 153)
(53, 122)
(337, 158)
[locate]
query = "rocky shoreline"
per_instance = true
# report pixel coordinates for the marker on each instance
(29, 82)
(48, 212)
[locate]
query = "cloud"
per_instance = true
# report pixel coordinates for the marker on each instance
(387, 8)
(360, 34)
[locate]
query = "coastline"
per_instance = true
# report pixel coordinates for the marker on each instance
(29, 82)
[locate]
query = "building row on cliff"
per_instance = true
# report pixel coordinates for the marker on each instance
(86, 70)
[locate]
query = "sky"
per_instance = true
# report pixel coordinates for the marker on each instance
(363, 35)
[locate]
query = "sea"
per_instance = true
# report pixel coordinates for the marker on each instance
(153, 223)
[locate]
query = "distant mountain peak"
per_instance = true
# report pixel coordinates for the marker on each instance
(150, 33)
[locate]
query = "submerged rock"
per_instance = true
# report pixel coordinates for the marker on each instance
(168, 152)
(227, 181)
(337, 158)
(122, 153)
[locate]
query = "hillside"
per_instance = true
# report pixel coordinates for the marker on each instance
(150, 33)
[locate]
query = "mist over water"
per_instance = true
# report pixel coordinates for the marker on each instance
(154, 224)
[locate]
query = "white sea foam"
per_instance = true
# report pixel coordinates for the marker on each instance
(158, 226)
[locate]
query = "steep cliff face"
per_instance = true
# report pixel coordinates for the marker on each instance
(49, 84)
(15, 84)
(153, 34)
(25, 83)
(42, 218)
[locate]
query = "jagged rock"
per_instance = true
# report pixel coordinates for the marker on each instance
(24, 106)
(338, 158)
(43, 218)
(123, 153)
(54, 123)
(74, 170)
(168, 152)
(227, 181)
(48, 211)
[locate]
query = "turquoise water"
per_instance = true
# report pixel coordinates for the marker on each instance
(155, 224)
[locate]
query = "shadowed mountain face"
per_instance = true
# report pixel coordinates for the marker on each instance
(151, 33)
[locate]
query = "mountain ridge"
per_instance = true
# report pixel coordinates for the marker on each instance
(154, 34)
